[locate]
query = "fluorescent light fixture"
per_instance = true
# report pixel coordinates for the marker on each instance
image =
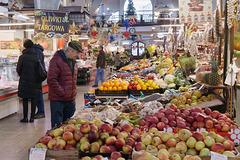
(7, 30)
(16, 24)
(175, 9)
(23, 16)
(104, 13)
(107, 8)
(29, 30)
(153, 27)
(83, 38)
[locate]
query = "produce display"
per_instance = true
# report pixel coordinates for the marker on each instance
(190, 99)
(114, 85)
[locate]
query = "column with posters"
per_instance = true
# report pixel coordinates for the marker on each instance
(195, 11)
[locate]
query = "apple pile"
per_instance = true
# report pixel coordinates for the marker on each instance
(155, 142)
(114, 156)
(190, 119)
(90, 138)
(163, 154)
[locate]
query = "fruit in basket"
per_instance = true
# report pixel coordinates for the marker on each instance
(67, 136)
(146, 139)
(58, 132)
(106, 128)
(209, 141)
(110, 140)
(163, 154)
(85, 146)
(191, 142)
(93, 135)
(229, 154)
(85, 128)
(41, 145)
(181, 147)
(175, 157)
(188, 157)
(84, 139)
(61, 142)
(192, 152)
(86, 158)
(115, 155)
(45, 139)
(204, 152)
(127, 149)
(184, 134)
(104, 135)
(217, 147)
(51, 143)
(94, 147)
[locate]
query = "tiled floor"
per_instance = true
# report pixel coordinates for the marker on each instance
(16, 138)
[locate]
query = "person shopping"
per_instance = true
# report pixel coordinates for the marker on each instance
(29, 86)
(100, 65)
(40, 104)
(117, 61)
(62, 82)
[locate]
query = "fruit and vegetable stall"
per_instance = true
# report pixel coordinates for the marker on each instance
(147, 110)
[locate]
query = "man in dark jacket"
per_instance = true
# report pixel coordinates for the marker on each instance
(100, 65)
(40, 104)
(62, 82)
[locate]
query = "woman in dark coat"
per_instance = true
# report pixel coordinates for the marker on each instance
(29, 86)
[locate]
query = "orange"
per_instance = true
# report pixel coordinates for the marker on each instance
(105, 88)
(125, 87)
(109, 88)
(112, 84)
(119, 88)
(100, 88)
(114, 88)
(104, 84)
(117, 84)
(107, 84)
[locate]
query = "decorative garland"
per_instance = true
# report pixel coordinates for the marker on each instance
(231, 12)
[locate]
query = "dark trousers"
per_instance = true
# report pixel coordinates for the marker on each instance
(33, 107)
(40, 103)
(61, 111)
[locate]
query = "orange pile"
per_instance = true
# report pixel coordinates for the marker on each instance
(114, 85)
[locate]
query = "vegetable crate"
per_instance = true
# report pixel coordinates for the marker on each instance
(111, 93)
(88, 96)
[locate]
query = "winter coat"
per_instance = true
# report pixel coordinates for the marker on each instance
(117, 60)
(39, 50)
(62, 79)
(28, 87)
(101, 60)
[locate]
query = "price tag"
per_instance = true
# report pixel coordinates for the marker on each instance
(217, 156)
(37, 154)
(109, 121)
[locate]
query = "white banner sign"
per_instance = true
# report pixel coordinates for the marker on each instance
(195, 11)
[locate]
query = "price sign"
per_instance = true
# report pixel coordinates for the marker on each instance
(37, 154)
(217, 156)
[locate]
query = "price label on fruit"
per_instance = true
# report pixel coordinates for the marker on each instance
(217, 156)
(37, 154)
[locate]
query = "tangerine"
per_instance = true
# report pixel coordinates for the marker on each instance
(114, 88)
(100, 88)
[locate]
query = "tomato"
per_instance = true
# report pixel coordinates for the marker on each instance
(130, 87)
(135, 83)
(135, 87)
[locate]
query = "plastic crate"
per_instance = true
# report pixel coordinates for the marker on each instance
(145, 92)
(111, 93)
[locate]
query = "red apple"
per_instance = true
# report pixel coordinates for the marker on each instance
(104, 136)
(171, 143)
(190, 119)
(110, 140)
(84, 139)
(130, 142)
(115, 132)
(215, 114)
(160, 115)
(199, 118)
(51, 143)
(218, 127)
(227, 145)
(172, 124)
(182, 115)
(112, 148)
(164, 120)
(154, 120)
(173, 107)
(104, 149)
(45, 139)
(69, 128)
(77, 135)
(115, 155)
(126, 149)
(106, 128)
(69, 147)
(61, 142)
(161, 126)
(85, 128)
(181, 124)
(171, 117)
(198, 136)
(169, 111)
(93, 135)
(72, 142)
(225, 128)
(127, 128)
(120, 142)
(208, 111)
(200, 124)
(209, 124)
(136, 130)
(140, 146)
(217, 147)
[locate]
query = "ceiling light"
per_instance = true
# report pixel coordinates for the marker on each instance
(29, 30)
(16, 24)
(107, 8)
(175, 9)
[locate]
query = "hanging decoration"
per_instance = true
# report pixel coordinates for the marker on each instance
(138, 38)
(93, 34)
(126, 34)
(73, 28)
(231, 12)
(133, 38)
(127, 24)
(132, 21)
(89, 3)
(80, 26)
(111, 37)
(114, 28)
(92, 21)
(131, 10)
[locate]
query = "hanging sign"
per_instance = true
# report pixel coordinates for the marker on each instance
(51, 24)
(195, 11)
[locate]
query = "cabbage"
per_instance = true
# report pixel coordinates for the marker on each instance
(163, 85)
(169, 79)
(172, 85)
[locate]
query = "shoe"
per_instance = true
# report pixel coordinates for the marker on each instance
(24, 120)
(38, 116)
(31, 120)
(95, 85)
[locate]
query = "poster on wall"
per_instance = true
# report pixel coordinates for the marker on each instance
(51, 24)
(195, 11)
